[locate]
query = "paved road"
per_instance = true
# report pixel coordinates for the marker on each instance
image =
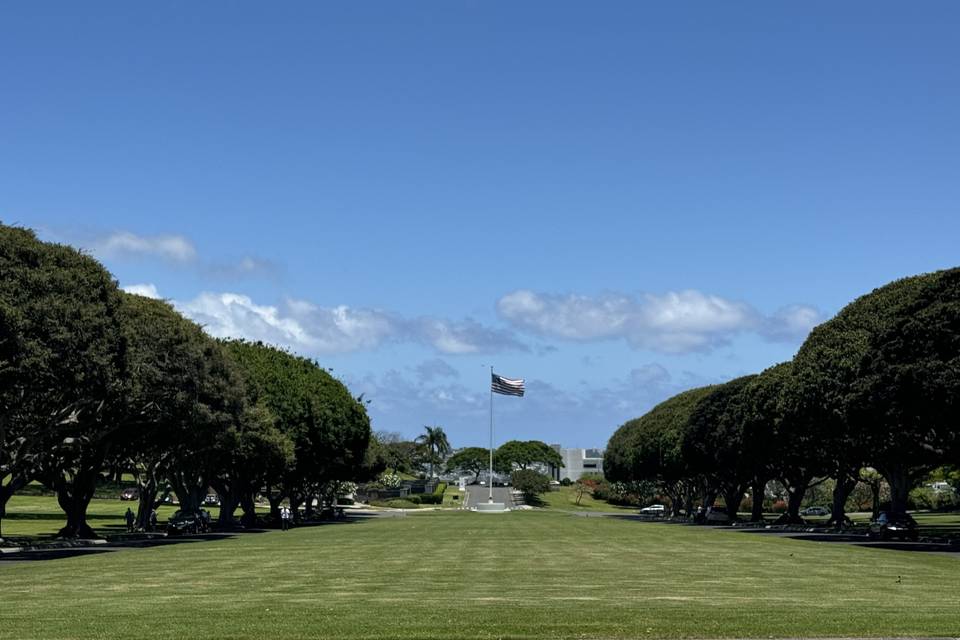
(477, 494)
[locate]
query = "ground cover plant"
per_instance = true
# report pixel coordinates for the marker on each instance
(458, 574)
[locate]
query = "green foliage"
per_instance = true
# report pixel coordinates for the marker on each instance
(435, 442)
(62, 366)
(472, 459)
(884, 376)
(650, 447)
(329, 428)
(522, 454)
(530, 482)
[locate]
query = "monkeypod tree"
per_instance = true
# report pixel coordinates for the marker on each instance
(797, 449)
(517, 454)
(886, 373)
(717, 445)
(329, 428)
(649, 448)
(473, 460)
(61, 366)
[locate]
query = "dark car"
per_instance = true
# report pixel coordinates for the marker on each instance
(889, 525)
(184, 523)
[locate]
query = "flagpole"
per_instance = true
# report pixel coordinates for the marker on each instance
(490, 477)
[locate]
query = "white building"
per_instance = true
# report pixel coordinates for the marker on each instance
(577, 462)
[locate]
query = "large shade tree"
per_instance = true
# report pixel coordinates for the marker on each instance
(473, 460)
(329, 428)
(523, 454)
(649, 448)
(885, 373)
(61, 368)
(717, 444)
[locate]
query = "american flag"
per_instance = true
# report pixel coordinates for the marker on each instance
(506, 386)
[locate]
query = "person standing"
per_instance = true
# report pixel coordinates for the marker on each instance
(153, 520)
(130, 518)
(284, 518)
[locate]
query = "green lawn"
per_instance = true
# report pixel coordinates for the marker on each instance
(565, 498)
(451, 574)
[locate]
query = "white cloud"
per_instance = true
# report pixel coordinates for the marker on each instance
(124, 244)
(675, 322)
(309, 328)
(145, 290)
(299, 325)
(464, 337)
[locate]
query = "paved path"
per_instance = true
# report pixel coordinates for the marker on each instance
(477, 494)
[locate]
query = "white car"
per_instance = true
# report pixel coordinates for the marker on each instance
(654, 510)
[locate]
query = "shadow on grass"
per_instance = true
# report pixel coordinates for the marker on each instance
(60, 517)
(58, 553)
(49, 554)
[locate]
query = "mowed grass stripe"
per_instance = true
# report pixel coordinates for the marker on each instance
(445, 575)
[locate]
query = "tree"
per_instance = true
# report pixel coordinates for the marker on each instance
(472, 459)
(524, 454)
(796, 446)
(328, 427)
(649, 448)
(531, 483)
(587, 483)
(61, 363)
(399, 454)
(717, 444)
(885, 374)
(436, 443)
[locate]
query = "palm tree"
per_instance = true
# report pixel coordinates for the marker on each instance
(435, 440)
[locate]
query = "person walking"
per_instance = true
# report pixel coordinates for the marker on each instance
(284, 518)
(153, 520)
(130, 518)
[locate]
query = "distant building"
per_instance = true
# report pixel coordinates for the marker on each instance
(577, 462)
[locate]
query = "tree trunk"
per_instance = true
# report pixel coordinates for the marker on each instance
(74, 502)
(900, 481)
(228, 506)
(295, 501)
(190, 490)
(733, 497)
(796, 488)
(249, 518)
(845, 484)
(145, 506)
(275, 501)
(757, 488)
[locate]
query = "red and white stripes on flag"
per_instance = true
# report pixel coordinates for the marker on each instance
(506, 386)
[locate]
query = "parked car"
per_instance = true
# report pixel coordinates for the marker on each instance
(894, 525)
(815, 511)
(212, 499)
(184, 523)
(654, 510)
(130, 493)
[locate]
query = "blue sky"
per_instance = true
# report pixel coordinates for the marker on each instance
(614, 201)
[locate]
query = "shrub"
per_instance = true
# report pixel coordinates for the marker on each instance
(530, 482)
(779, 506)
(566, 482)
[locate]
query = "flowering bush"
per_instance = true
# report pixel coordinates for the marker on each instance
(391, 480)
